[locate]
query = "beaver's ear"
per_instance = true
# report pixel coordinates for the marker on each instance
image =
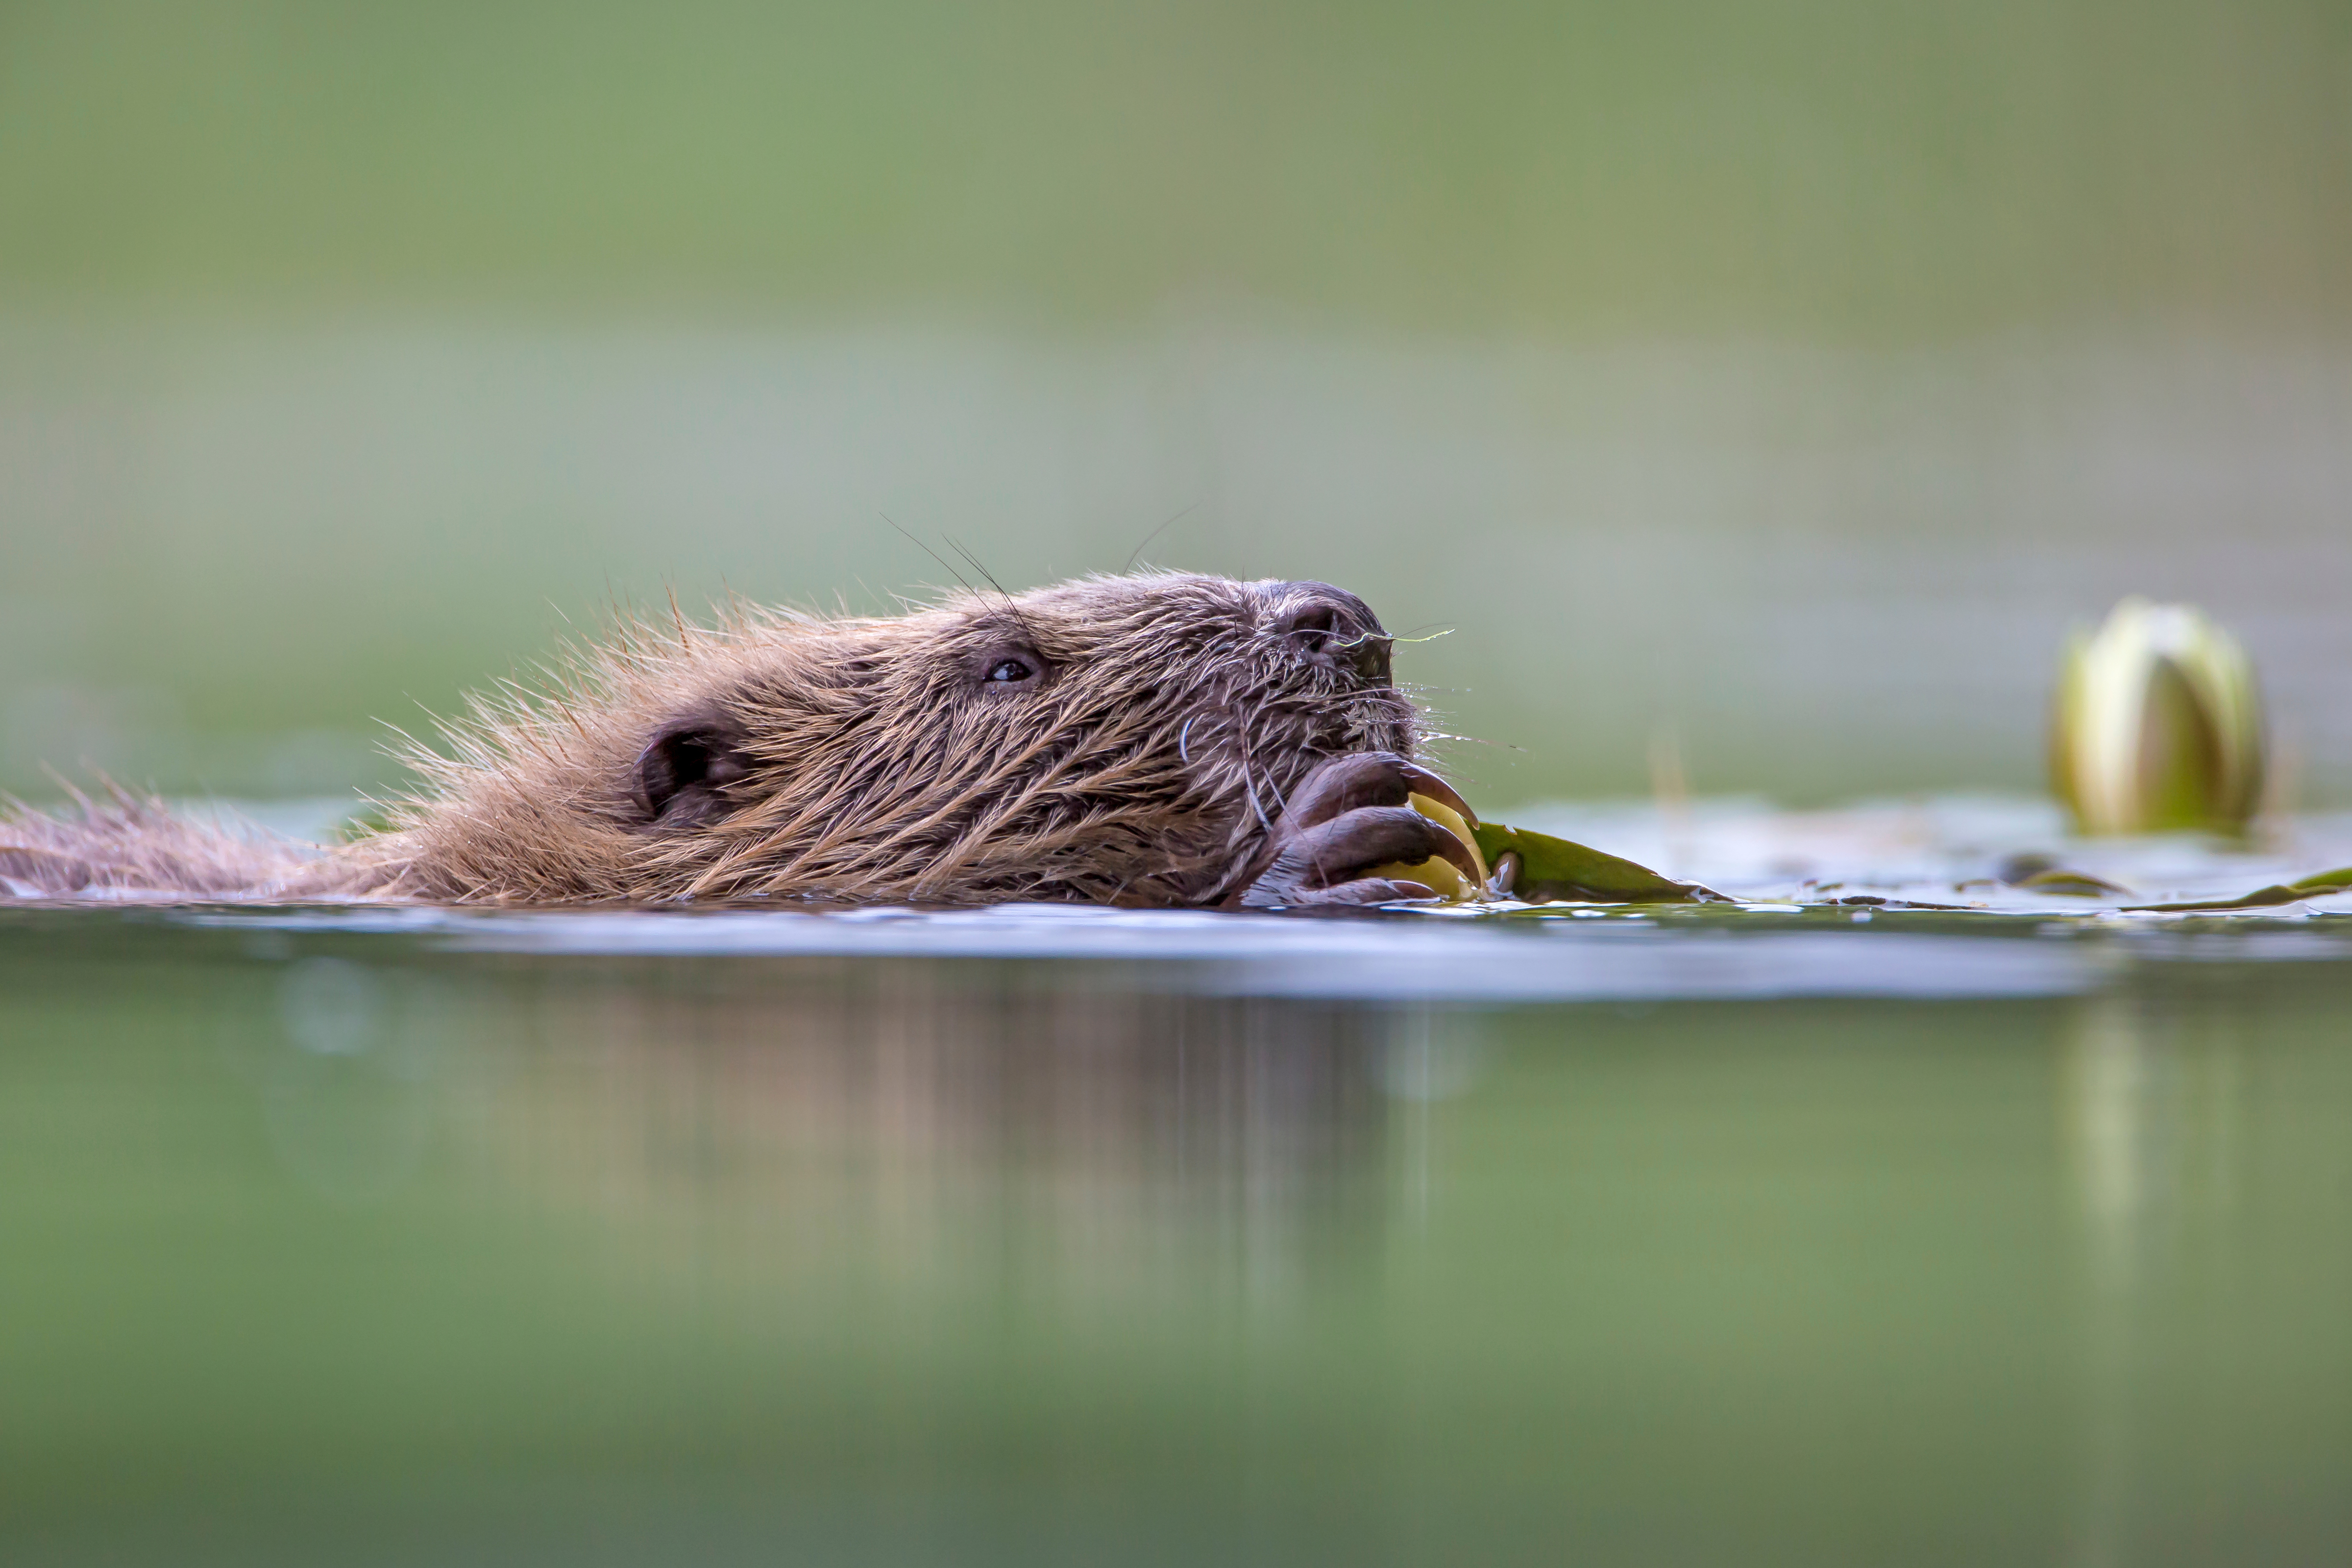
(682, 775)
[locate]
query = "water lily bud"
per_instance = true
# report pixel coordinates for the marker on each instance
(2158, 725)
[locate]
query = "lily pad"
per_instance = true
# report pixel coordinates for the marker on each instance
(1554, 870)
(2317, 885)
(2070, 884)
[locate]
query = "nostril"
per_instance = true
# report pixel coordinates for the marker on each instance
(1315, 628)
(1334, 629)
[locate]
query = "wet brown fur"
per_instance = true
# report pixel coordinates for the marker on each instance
(864, 758)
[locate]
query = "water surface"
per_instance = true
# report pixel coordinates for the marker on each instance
(1022, 1237)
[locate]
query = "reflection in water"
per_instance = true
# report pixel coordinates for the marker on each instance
(1432, 1054)
(2152, 1113)
(1128, 1144)
(1124, 1140)
(592, 1257)
(350, 1105)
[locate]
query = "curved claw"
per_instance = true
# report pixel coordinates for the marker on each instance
(1424, 782)
(1346, 817)
(1359, 779)
(1315, 863)
(1379, 890)
(1377, 835)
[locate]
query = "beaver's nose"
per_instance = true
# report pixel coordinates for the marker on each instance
(1332, 625)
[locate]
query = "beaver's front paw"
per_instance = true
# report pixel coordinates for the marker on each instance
(1348, 818)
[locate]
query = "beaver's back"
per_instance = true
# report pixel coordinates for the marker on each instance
(122, 846)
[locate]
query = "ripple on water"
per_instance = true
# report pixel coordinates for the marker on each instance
(1524, 955)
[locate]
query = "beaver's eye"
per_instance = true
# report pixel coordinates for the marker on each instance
(1009, 666)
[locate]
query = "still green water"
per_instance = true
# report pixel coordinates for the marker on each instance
(1034, 1236)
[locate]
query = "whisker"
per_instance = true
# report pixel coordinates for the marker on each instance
(932, 553)
(1156, 533)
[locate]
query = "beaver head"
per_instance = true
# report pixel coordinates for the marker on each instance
(1124, 739)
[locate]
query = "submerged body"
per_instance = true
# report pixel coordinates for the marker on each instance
(1162, 739)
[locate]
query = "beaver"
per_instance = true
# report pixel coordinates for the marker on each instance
(1154, 739)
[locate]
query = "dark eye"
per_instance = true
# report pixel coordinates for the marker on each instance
(1011, 669)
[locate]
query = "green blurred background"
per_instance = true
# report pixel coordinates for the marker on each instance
(1782, 379)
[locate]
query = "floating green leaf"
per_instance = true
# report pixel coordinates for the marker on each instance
(2068, 883)
(1555, 870)
(2317, 885)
